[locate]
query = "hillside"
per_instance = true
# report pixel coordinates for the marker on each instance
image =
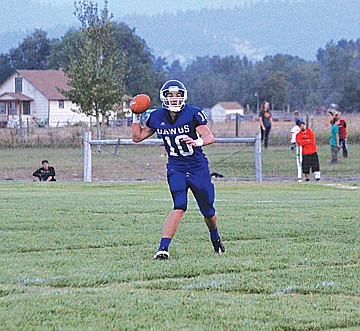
(258, 29)
(255, 30)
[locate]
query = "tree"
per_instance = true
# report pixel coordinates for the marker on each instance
(142, 73)
(96, 69)
(351, 96)
(32, 53)
(61, 49)
(339, 72)
(274, 88)
(5, 68)
(176, 71)
(205, 85)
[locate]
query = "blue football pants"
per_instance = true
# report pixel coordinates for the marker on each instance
(200, 184)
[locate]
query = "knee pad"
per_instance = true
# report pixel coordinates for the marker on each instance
(208, 213)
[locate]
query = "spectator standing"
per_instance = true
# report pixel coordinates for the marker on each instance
(334, 140)
(295, 147)
(266, 122)
(343, 136)
(294, 131)
(297, 117)
(334, 112)
(310, 160)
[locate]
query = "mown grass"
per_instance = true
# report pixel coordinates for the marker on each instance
(78, 256)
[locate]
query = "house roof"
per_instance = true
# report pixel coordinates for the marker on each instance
(47, 82)
(16, 96)
(230, 105)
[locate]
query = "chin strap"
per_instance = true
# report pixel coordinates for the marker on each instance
(174, 109)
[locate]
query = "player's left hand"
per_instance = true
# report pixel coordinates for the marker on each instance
(190, 141)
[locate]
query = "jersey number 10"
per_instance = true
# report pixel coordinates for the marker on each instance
(179, 146)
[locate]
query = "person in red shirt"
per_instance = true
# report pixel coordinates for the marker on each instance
(343, 136)
(310, 160)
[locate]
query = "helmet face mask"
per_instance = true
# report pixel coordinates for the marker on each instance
(173, 95)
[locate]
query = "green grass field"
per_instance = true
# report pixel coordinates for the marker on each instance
(78, 256)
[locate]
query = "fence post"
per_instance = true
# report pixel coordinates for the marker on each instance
(87, 156)
(237, 125)
(258, 162)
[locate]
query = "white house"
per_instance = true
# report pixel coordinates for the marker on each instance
(29, 96)
(224, 111)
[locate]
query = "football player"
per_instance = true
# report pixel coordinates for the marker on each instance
(183, 128)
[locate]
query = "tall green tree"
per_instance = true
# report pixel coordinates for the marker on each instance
(32, 53)
(339, 72)
(142, 73)
(288, 81)
(274, 89)
(61, 49)
(96, 69)
(5, 68)
(176, 71)
(350, 100)
(205, 84)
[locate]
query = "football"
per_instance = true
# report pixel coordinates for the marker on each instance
(140, 103)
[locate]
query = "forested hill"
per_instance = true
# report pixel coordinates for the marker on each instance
(296, 28)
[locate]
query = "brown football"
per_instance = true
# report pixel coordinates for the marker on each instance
(140, 103)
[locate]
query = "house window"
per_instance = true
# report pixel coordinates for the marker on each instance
(61, 104)
(26, 107)
(18, 85)
(13, 110)
(2, 107)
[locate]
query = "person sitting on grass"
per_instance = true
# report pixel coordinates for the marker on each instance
(46, 173)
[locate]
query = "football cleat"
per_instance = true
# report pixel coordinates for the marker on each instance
(219, 246)
(161, 254)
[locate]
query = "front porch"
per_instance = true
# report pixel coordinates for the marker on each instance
(13, 108)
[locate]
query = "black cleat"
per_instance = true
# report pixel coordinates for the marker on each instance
(161, 254)
(219, 246)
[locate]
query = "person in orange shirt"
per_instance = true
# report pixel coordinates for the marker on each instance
(310, 160)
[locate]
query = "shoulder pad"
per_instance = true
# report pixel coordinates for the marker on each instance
(195, 107)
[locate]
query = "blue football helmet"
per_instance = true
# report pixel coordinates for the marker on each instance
(171, 102)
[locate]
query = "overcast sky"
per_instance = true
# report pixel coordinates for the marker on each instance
(159, 6)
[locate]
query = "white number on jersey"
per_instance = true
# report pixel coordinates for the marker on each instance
(177, 141)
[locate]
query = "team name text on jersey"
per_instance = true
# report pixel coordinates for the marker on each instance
(174, 131)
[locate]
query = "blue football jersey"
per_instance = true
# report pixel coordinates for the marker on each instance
(180, 155)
